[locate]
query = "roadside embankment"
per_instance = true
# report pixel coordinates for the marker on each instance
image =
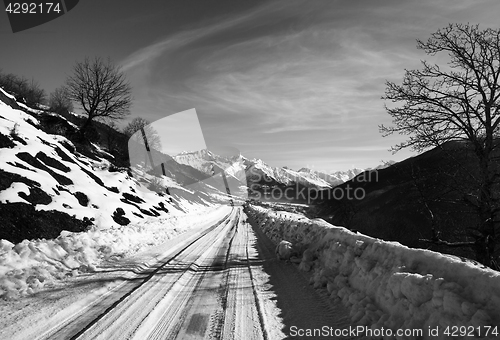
(386, 284)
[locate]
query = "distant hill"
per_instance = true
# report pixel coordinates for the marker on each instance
(404, 201)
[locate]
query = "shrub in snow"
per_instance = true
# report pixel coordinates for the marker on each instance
(284, 250)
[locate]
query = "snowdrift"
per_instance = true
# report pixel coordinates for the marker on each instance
(386, 284)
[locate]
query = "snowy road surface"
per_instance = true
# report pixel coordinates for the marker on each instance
(218, 282)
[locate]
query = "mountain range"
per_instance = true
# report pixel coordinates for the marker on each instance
(258, 171)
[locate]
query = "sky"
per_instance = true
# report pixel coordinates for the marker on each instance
(294, 83)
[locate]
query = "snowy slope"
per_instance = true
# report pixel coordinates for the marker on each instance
(47, 186)
(211, 163)
(386, 284)
(307, 177)
(202, 160)
(206, 161)
(334, 178)
(259, 171)
(256, 169)
(49, 174)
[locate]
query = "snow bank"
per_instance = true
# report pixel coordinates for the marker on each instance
(28, 266)
(386, 284)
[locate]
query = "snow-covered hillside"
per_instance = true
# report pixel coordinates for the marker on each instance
(334, 178)
(211, 163)
(256, 169)
(48, 186)
(47, 172)
(307, 179)
(207, 161)
(304, 176)
(259, 171)
(387, 285)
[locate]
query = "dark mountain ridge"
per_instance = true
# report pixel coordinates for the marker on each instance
(420, 198)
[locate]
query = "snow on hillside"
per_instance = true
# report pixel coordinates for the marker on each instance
(386, 284)
(210, 163)
(304, 176)
(258, 170)
(51, 176)
(205, 161)
(334, 178)
(46, 173)
(307, 179)
(277, 174)
(202, 160)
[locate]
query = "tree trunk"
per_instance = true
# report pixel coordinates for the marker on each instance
(83, 129)
(485, 243)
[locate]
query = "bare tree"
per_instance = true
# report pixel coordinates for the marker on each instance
(138, 123)
(60, 101)
(144, 135)
(7, 81)
(100, 89)
(457, 101)
(24, 90)
(111, 135)
(35, 95)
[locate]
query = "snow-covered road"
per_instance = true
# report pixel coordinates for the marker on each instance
(221, 281)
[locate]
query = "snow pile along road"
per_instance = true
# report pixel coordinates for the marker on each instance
(29, 266)
(386, 284)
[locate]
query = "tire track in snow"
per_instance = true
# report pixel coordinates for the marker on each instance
(223, 284)
(195, 312)
(242, 323)
(125, 318)
(61, 332)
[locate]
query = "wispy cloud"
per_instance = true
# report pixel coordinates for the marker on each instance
(180, 39)
(288, 68)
